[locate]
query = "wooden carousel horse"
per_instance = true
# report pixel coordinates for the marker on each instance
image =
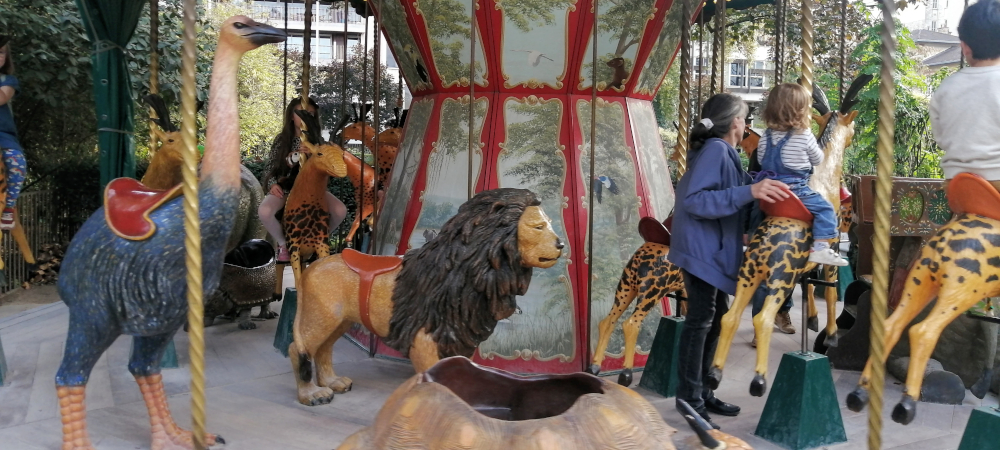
(124, 271)
(779, 249)
(440, 300)
(648, 276)
(306, 220)
(959, 266)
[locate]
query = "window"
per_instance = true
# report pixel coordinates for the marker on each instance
(934, 4)
(737, 74)
(325, 47)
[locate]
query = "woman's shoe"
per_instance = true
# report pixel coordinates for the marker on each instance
(283, 256)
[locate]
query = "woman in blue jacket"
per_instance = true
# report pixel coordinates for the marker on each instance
(713, 198)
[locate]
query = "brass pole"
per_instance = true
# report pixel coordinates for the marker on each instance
(284, 63)
(192, 228)
(343, 88)
(779, 38)
(590, 183)
(883, 204)
(717, 62)
(843, 54)
(472, 91)
(154, 67)
(807, 45)
(961, 56)
(376, 120)
(684, 110)
(306, 54)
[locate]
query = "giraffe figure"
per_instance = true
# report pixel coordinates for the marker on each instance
(959, 266)
(778, 252)
(362, 175)
(648, 276)
(306, 219)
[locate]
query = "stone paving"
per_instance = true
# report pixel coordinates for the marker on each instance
(251, 393)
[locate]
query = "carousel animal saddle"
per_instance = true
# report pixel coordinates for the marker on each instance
(791, 208)
(972, 194)
(655, 231)
(128, 203)
(368, 267)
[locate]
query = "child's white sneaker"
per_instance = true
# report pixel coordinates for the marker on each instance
(827, 257)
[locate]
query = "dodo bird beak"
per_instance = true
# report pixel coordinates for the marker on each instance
(260, 34)
(699, 426)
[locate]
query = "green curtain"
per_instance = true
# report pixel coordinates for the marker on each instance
(110, 25)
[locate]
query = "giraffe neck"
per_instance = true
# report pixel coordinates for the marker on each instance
(222, 141)
(309, 187)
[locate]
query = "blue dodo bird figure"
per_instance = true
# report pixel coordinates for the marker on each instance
(115, 283)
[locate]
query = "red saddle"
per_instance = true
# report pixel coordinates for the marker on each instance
(790, 207)
(972, 194)
(127, 205)
(654, 231)
(368, 267)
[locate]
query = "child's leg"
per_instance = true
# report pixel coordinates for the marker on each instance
(16, 171)
(824, 217)
(266, 211)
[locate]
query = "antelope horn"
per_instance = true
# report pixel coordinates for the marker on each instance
(699, 426)
(402, 118)
(354, 112)
(820, 102)
(851, 96)
(162, 113)
(311, 128)
(338, 130)
(367, 110)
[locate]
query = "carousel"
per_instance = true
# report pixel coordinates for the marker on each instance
(507, 221)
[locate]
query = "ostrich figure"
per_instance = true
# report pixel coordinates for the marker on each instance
(115, 285)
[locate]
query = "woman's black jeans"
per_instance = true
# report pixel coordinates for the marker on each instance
(705, 307)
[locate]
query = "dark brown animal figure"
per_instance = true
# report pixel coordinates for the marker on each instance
(619, 76)
(306, 219)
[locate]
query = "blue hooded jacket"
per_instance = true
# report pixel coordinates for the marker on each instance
(712, 200)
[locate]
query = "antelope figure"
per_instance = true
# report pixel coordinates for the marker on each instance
(778, 253)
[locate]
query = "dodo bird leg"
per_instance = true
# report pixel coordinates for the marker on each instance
(166, 434)
(74, 417)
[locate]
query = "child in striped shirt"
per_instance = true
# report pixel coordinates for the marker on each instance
(788, 151)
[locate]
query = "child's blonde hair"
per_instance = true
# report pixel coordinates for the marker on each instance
(788, 107)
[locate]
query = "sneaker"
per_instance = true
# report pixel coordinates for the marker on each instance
(7, 219)
(283, 256)
(827, 257)
(784, 323)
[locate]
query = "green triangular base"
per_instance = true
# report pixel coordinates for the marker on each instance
(3, 366)
(979, 430)
(283, 334)
(169, 358)
(802, 409)
(660, 374)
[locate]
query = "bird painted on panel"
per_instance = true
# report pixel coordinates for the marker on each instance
(115, 283)
(534, 56)
(604, 182)
(415, 56)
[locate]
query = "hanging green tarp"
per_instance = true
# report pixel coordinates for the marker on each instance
(110, 25)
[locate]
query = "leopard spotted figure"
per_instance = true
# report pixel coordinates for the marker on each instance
(959, 267)
(362, 175)
(778, 252)
(306, 220)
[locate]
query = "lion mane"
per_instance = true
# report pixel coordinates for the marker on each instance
(458, 285)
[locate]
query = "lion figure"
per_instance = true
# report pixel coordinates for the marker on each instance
(440, 300)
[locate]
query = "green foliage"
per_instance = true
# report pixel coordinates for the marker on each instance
(327, 87)
(916, 153)
(521, 13)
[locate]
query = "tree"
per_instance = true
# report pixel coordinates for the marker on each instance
(328, 86)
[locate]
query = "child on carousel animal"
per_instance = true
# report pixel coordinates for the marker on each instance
(965, 109)
(13, 155)
(709, 217)
(787, 153)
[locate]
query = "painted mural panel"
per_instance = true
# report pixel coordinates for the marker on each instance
(533, 158)
(448, 24)
(404, 173)
(535, 42)
(448, 167)
(663, 49)
(621, 24)
(616, 215)
(399, 36)
(652, 158)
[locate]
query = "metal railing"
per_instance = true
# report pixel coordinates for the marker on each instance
(275, 11)
(40, 220)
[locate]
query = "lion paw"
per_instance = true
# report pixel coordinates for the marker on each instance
(315, 395)
(339, 385)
